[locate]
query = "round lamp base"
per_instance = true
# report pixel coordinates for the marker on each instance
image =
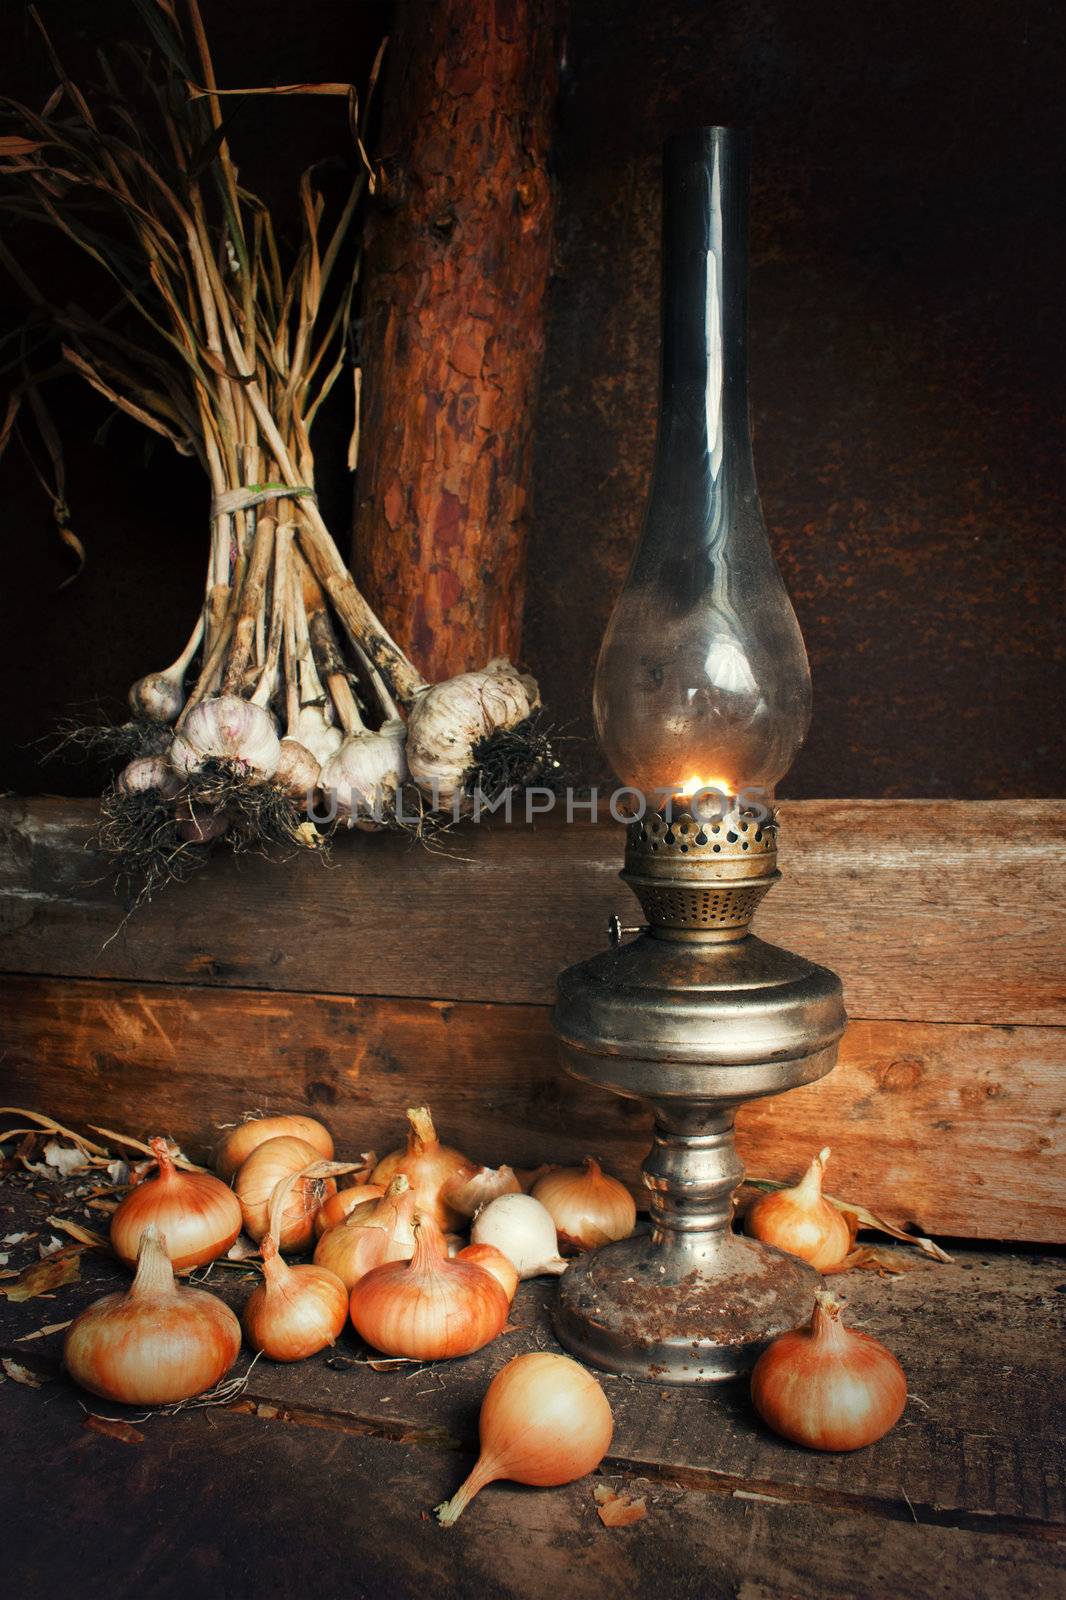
(677, 1314)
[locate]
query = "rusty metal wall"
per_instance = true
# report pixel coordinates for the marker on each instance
(907, 321)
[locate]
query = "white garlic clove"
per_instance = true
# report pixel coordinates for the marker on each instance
(449, 719)
(227, 728)
(364, 775)
(149, 775)
(297, 771)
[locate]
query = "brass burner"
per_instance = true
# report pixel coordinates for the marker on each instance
(700, 879)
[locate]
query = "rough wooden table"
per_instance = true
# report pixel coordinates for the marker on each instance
(322, 1476)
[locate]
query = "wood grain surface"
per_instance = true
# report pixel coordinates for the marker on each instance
(931, 911)
(969, 1488)
(956, 1129)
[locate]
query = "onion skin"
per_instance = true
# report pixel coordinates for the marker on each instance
(239, 1142)
(587, 1207)
(544, 1421)
(156, 1343)
(199, 1216)
(374, 1233)
(468, 1195)
(295, 1311)
(332, 1212)
(428, 1308)
(429, 1166)
(801, 1222)
(268, 1165)
(494, 1261)
(828, 1386)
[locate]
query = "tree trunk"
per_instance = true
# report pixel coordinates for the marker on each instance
(457, 265)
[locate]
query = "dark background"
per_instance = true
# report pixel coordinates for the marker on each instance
(907, 314)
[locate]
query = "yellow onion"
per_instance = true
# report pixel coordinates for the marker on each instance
(494, 1261)
(467, 1195)
(268, 1165)
(800, 1221)
(332, 1212)
(156, 1343)
(430, 1166)
(295, 1311)
(198, 1214)
(544, 1421)
(827, 1386)
(587, 1207)
(428, 1308)
(239, 1142)
(376, 1232)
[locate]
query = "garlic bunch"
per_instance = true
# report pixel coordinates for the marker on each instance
(363, 776)
(449, 720)
(227, 728)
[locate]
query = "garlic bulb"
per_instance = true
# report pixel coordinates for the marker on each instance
(201, 824)
(523, 1230)
(448, 720)
(314, 730)
(158, 697)
(587, 1207)
(297, 771)
(149, 775)
(227, 728)
(363, 776)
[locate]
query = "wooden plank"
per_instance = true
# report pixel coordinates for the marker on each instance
(955, 1129)
(932, 911)
(255, 1505)
(982, 1436)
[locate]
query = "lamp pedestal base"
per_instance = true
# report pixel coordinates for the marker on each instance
(681, 1314)
(693, 1018)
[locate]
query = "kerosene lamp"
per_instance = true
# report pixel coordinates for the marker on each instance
(702, 700)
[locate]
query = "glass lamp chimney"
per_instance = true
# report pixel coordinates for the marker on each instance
(702, 679)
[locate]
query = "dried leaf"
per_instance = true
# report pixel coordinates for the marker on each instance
(242, 1249)
(42, 1277)
(618, 1510)
(20, 1374)
(196, 92)
(48, 1247)
(13, 144)
(124, 1432)
(53, 1127)
(65, 1158)
(17, 1238)
(95, 1241)
(176, 1156)
(42, 1333)
(867, 1259)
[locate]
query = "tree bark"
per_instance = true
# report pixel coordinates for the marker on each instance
(457, 265)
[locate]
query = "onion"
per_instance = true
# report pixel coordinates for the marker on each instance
(826, 1386)
(587, 1207)
(494, 1261)
(430, 1166)
(296, 1311)
(240, 1141)
(467, 1195)
(428, 1308)
(376, 1232)
(198, 1214)
(332, 1212)
(156, 1343)
(544, 1421)
(523, 1229)
(268, 1165)
(800, 1221)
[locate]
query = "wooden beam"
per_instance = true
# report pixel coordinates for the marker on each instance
(931, 911)
(956, 1129)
